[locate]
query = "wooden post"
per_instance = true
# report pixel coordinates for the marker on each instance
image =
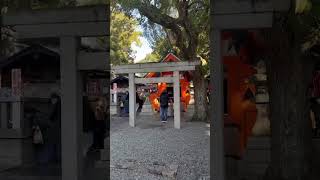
(4, 115)
(217, 121)
(71, 112)
(176, 91)
(132, 100)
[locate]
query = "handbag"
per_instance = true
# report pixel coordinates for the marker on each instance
(37, 135)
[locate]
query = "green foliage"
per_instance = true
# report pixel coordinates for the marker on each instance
(123, 34)
(302, 6)
(151, 57)
(310, 23)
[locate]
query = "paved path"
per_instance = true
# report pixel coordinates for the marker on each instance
(153, 150)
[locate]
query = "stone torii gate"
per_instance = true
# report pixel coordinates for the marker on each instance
(68, 25)
(175, 67)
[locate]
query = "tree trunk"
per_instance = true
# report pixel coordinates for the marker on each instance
(200, 96)
(289, 74)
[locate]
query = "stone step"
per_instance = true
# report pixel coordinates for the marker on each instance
(231, 165)
(249, 178)
(105, 155)
(316, 144)
(97, 173)
(252, 169)
(102, 164)
(257, 156)
(259, 143)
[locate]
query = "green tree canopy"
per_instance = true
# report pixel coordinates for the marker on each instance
(124, 33)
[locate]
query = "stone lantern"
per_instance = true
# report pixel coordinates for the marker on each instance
(262, 124)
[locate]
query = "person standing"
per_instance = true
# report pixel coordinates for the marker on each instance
(99, 130)
(164, 101)
(121, 106)
(139, 101)
(126, 102)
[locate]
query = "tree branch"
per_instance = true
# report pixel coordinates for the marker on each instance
(197, 2)
(155, 15)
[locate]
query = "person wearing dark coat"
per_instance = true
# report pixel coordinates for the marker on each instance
(164, 104)
(126, 102)
(139, 101)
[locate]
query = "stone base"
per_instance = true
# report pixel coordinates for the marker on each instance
(147, 110)
(262, 124)
(113, 109)
(170, 111)
(15, 152)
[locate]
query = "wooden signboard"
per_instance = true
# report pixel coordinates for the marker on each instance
(94, 88)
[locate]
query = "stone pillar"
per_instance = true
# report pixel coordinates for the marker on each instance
(115, 94)
(17, 114)
(132, 100)
(217, 118)
(71, 111)
(176, 91)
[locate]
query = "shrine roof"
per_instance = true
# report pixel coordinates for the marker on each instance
(31, 50)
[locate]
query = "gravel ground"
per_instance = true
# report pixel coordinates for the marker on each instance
(145, 151)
